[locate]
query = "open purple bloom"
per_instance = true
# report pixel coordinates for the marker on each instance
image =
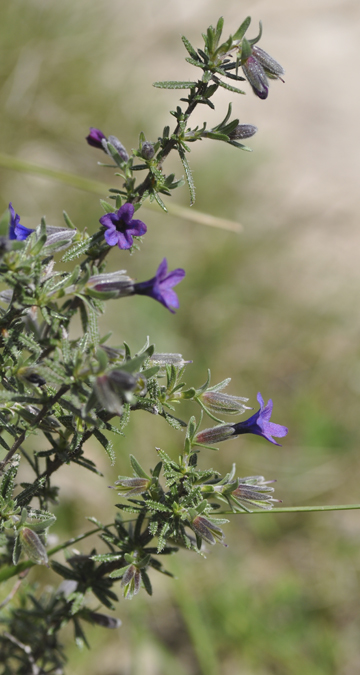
(16, 230)
(260, 424)
(95, 138)
(121, 228)
(160, 286)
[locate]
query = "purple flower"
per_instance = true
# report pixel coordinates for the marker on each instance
(95, 138)
(160, 286)
(16, 230)
(260, 424)
(121, 228)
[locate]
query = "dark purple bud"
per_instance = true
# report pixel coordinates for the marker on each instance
(147, 150)
(95, 138)
(243, 131)
(119, 147)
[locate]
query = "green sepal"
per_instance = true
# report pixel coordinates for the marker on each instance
(253, 41)
(246, 50)
(108, 208)
(138, 470)
(216, 136)
(68, 222)
(242, 30)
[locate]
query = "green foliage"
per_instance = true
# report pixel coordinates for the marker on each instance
(66, 391)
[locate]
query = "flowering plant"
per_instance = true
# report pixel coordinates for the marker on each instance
(70, 390)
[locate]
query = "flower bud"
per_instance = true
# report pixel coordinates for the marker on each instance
(114, 389)
(95, 138)
(163, 360)
(224, 404)
(254, 491)
(243, 131)
(130, 583)
(207, 530)
(272, 68)
(58, 238)
(119, 147)
(32, 546)
(147, 150)
(104, 620)
(132, 486)
(117, 283)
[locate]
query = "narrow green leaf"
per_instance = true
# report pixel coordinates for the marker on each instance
(68, 222)
(229, 87)
(173, 84)
(188, 46)
(188, 175)
(138, 470)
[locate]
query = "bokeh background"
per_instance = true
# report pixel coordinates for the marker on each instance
(275, 308)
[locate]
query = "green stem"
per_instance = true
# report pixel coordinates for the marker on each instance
(299, 509)
(98, 188)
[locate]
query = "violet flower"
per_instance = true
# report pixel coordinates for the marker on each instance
(160, 286)
(16, 230)
(121, 228)
(95, 138)
(260, 425)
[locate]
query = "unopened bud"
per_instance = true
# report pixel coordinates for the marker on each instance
(119, 147)
(131, 581)
(33, 546)
(224, 404)
(243, 131)
(132, 486)
(207, 530)
(147, 150)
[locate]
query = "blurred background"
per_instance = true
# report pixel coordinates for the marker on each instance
(275, 308)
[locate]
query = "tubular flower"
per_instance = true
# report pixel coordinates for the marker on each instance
(121, 228)
(260, 425)
(95, 138)
(160, 286)
(16, 230)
